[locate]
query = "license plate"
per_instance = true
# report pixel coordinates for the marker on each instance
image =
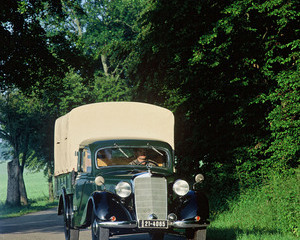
(153, 224)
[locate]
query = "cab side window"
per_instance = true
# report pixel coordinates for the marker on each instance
(86, 161)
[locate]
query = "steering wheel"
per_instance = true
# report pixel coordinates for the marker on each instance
(147, 162)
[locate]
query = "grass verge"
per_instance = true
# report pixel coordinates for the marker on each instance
(271, 211)
(34, 206)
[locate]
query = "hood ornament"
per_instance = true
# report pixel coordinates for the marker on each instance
(149, 167)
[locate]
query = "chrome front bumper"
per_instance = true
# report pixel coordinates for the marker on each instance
(188, 224)
(119, 224)
(134, 224)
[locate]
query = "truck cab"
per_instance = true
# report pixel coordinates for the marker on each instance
(115, 173)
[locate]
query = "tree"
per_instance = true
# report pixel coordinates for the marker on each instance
(110, 30)
(26, 43)
(35, 62)
(18, 122)
(77, 91)
(104, 30)
(43, 38)
(23, 45)
(220, 65)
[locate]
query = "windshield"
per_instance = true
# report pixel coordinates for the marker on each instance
(124, 155)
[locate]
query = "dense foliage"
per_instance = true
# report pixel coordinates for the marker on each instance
(229, 70)
(234, 68)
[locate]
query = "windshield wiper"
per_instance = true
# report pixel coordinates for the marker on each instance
(120, 149)
(161, 154)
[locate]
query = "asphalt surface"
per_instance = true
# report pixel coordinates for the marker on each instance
(48, 225)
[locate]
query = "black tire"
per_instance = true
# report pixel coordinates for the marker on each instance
(70, 234)
(199, 234)
(67, 220)
(98, 233)
(157, 236)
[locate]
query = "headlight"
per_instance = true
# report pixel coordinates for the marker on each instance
(123, 189)
(181, 187)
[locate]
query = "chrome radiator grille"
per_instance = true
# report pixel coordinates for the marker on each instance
(150, 197)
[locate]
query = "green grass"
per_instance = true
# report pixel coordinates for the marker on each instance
(34, 206)
(37, 193)
(269, 212)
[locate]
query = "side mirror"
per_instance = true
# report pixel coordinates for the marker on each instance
(199, 178)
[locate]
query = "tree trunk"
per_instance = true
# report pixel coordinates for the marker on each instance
(104, 64)
(13, 193)
(50, 183)
(22, 189)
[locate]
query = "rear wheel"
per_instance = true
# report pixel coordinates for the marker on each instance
(98, 233)
(156, 236)
(70, 234)
(66, 224)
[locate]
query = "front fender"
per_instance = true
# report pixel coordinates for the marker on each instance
(105, 205)
(192, 205)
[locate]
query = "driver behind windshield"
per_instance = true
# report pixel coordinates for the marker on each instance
(141, 158)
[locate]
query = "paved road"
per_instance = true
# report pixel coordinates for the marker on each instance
(47, 225)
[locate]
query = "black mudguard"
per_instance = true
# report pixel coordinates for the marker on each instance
(108, 205)
(192, 205)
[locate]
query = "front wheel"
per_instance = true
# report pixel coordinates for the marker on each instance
(199, 234)
(98, 233)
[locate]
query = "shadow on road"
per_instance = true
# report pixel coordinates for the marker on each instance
(45, 221)
(48, 225)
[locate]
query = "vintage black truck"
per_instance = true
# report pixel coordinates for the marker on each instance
(114, 173)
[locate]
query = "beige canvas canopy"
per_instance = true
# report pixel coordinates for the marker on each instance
(108, 121)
